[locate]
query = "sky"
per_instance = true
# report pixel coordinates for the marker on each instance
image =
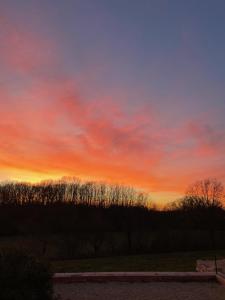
(129, 92)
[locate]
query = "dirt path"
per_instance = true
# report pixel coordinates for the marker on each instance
(142, 291)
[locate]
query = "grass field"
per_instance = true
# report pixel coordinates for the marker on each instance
(181, 261)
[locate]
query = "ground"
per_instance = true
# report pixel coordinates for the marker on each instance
(167, 262)
(142, 291)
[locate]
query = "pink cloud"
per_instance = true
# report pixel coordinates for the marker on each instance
(46, 126)
(23, 51)
(209, 141)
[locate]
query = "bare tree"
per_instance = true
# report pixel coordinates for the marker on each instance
(207, 193)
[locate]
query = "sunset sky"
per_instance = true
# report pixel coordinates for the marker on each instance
(131, 92)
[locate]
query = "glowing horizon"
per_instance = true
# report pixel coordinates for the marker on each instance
(91, 91)
(156, 198)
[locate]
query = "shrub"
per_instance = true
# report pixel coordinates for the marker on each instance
(22, 277)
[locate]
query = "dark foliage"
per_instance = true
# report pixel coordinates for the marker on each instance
(24, 278)
(70, 220)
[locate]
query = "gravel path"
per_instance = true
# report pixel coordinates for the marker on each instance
(142, 291)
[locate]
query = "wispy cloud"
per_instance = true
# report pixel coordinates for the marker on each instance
(48, 127)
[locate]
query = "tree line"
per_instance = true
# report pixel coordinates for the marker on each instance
(71, 191)
(70, 219)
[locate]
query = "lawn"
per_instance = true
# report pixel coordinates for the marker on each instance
(180, 261)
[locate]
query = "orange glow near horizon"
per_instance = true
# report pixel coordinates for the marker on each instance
(55, 124)
(160, 198)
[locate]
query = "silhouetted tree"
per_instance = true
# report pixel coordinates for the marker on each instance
(202, 194)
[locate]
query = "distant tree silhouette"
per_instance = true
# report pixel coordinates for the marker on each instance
(77, 219)
(208, 192)
(71, 191)
(202, 194)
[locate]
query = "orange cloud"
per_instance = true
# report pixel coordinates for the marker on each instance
(47, 129)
